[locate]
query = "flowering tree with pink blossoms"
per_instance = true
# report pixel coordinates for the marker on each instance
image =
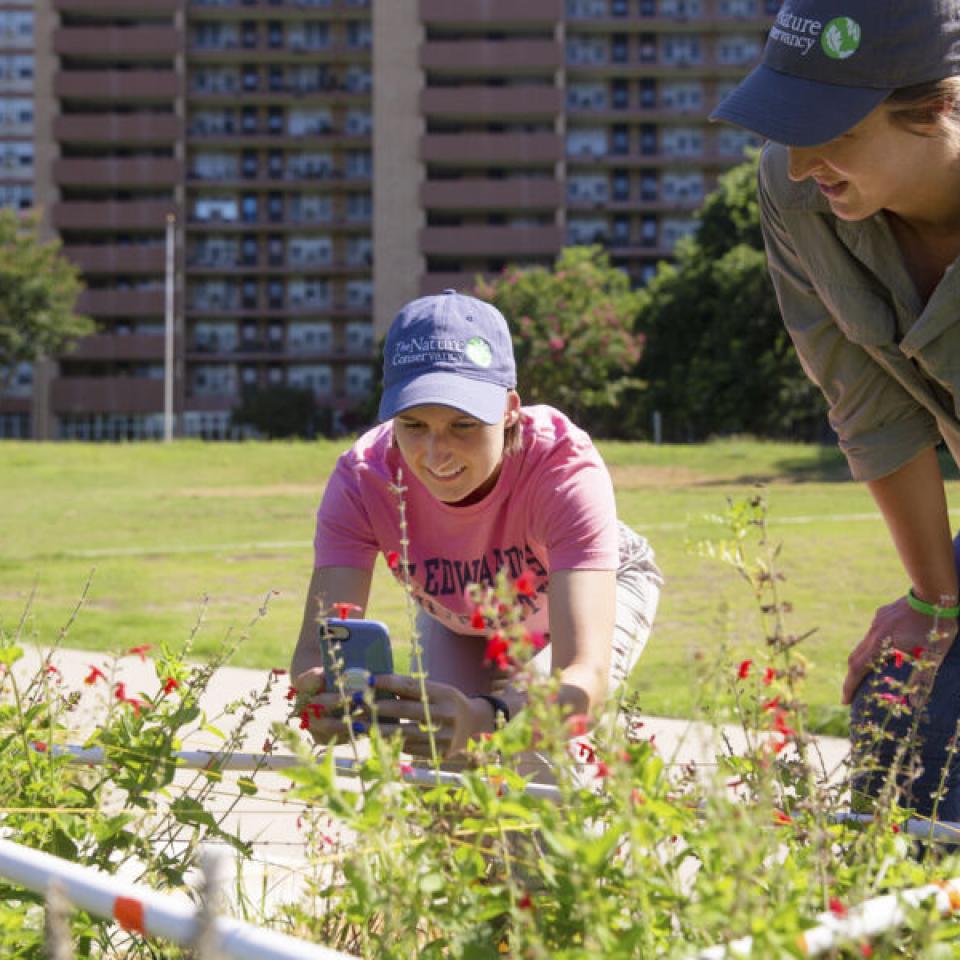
(573, 329)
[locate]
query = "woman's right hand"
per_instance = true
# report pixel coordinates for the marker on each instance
(923, 641)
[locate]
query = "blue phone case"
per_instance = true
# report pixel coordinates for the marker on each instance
(356, 643)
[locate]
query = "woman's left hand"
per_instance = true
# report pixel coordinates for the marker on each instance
(898, 626)
(456, 718)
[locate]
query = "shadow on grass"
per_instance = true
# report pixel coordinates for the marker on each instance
(828, 466)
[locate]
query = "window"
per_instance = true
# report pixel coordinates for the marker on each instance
(621, 186)
(248, 208)
(275, 207)
(620, 94)
(648, 93)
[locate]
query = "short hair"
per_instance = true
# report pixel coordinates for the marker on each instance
(922, 105)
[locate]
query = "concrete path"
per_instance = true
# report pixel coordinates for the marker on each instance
(270, 821)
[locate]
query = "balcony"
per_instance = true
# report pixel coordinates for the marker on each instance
(117, 84)
(116, 259)
(129, 7)
(491, 241)
(472, 12)
(121, 303)
(106, 395)
(102, 346)
(128, 171)
(479, 194)
(118, 128)
(486, 56)
(526, 101)
(111, 215)
(481, 149)
(434, 283)
(117, 42)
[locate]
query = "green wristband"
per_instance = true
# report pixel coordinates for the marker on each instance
(931, 609)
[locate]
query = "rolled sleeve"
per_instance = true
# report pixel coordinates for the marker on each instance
(880, 425)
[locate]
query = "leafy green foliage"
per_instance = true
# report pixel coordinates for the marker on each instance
(573, 330)
(719, 360)
(279, 411)
(38, 290)
(634, 856)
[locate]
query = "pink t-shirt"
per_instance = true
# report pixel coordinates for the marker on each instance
(551, 509)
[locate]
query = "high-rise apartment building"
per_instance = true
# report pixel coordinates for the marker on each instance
(326, 160)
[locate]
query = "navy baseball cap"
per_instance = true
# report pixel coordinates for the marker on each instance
(828, 63)
(449, 349)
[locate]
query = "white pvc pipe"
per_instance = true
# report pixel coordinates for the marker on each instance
(142, 910)
(208, 760)
(863, 922)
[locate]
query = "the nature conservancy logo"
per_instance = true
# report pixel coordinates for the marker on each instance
(478, 350)
(416, 351)
(839, 38)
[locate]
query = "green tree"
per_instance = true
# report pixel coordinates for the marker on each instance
(38, 291)
(573, 330)
(718, 359)
(280, 411)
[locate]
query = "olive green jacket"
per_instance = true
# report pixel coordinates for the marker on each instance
(888, 365)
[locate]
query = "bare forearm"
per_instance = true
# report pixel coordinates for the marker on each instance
(914, 505)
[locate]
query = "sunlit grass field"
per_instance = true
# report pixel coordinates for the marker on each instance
(167, 535)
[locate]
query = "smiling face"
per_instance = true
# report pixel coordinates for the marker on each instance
(876, 165)
(455, 456)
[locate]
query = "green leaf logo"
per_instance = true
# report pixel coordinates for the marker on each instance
(478, 350)
(840, 38)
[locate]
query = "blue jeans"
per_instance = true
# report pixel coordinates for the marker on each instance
(924, 762)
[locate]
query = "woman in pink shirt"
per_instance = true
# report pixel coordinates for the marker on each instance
(489, 485)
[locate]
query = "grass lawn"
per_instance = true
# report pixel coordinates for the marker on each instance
(161, 528)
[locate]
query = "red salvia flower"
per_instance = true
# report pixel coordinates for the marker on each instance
(537, 639)
(895, 827)
(393, 559)
(140, 651)
(918, 652)
(780, 724)
(769, 676)
(120, 692)
(39, 746)
(603, 771)
(743, 671)
(305, 720)
(782, 819)
(267, 746)
(898, 657)
(866, 950)
(497, 652)
(171, 685)
(345, 609)
(524, 584)
(477, 620)
(578, 724)
(93, 676)
(278, 672)
(406, 769)
(771, 704)
(52, 670)
(291, 693)
(525, 902)
(837, 908)
(893, 697)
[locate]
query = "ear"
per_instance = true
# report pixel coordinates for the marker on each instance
(511, 414)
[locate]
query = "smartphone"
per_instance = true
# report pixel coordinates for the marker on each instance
(363, 644)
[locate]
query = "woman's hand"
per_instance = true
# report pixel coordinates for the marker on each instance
(324, 713)
(456, 718)
(898, 626)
